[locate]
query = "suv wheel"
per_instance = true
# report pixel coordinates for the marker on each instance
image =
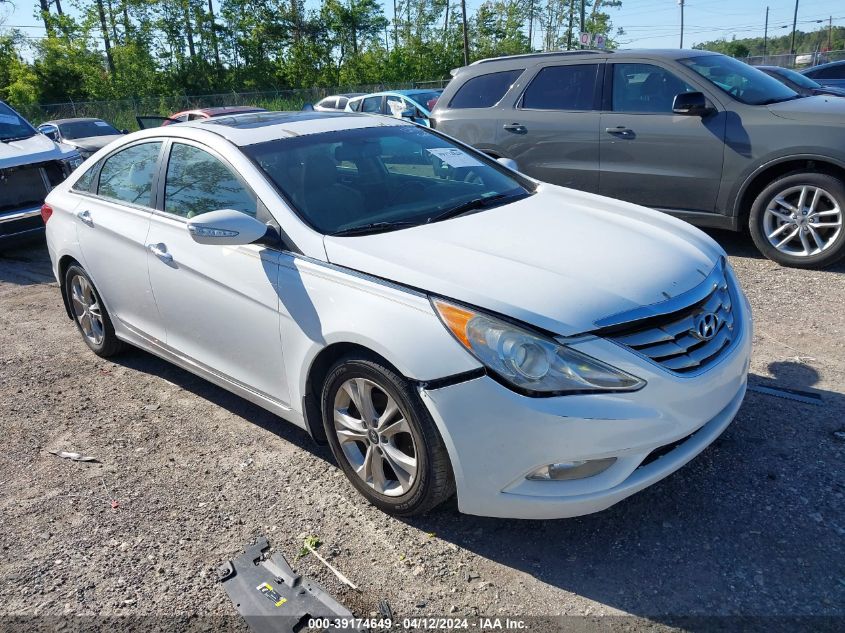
(384, 438)
(90, 314)
(797, 220)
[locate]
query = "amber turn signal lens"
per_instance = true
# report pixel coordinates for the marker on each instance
(456, 319)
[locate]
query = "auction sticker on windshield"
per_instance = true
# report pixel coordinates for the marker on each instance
(454, 157)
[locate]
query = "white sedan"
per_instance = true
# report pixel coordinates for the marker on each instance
(445, 323)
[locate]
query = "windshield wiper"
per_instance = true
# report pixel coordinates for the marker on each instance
(373, 227)
(474, 204)
(10, 139)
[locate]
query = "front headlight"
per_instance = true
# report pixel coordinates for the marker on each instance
(527, 360)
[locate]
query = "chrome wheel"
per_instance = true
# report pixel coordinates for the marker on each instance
(375, 437)
(86, 309)
(802, 220)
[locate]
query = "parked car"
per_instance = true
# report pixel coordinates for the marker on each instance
(801, 84)
(699, 135)
(199, 114)
(414, 105)
(830, 74)
(335, 102)
(30, 165)
(413, 302)
(84, 134)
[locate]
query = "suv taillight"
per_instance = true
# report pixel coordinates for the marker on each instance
(46, 212)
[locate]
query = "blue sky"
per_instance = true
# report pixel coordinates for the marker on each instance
(648, 23)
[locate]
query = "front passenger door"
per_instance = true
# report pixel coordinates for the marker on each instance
(219, 304)
(651, 156)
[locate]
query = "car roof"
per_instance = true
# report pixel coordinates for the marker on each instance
(74, 120)
(249, 129)
(827, 65)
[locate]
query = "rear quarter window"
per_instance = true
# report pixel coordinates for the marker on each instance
(484, 91)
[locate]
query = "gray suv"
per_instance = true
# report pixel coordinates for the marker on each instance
(699, 135)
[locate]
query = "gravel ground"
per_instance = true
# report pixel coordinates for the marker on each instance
(189, 474)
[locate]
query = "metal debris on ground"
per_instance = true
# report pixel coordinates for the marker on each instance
(807, 397)
(77, 457)
(339, 575)
(272, 598)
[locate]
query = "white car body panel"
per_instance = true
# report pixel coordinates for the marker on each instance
(253, 319)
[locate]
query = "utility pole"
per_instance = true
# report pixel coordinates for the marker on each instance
(466, 37)
(794, 24)
(830, 33)
(766, 34)
(531, 25)
(583, 20)
(681, 2)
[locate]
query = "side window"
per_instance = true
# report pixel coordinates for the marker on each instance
(196, 116)
(83, 183)
(484, 91)
(341, 102)
(371, 105)
(197, 182)
(128, 175)
(831, 72)
(355, 106)
(562, 88)
(181, 118)
(396, 105)
(645, 88)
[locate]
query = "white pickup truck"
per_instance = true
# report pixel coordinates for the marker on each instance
(30, 166)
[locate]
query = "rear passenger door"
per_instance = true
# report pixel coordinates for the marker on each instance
(651, 156)
(552, 131)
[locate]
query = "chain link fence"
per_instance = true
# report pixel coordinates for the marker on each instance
(122, 113)
(798, 60)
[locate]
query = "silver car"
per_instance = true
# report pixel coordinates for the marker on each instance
(693, 133)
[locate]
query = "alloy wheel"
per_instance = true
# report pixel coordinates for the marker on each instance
(375, 437)
(86, 308)
(802, 220)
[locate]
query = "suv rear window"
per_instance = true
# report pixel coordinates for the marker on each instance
(484, 91)
(562, 88)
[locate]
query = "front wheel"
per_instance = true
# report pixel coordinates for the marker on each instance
(384, 439)
(797, 220)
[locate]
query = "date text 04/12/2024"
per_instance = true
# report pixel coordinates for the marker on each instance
(430, 623)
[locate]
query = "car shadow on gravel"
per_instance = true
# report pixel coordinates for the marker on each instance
(147, 363)
(26, 265)
(752, 526)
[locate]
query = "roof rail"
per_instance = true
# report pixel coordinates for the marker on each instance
(539, 55)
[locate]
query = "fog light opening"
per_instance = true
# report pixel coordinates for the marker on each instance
(565, 471)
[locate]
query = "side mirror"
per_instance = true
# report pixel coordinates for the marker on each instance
(410, 113)
(124, 131)
(690, 104)
(225, 227)
(510, 163)
(50, 131)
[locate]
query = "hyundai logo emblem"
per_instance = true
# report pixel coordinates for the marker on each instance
(705, 326)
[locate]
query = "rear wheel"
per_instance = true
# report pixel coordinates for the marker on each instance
(798, 220)
(384, 439)
(90, 314)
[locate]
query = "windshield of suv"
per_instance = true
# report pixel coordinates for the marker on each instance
(797, 78)
(84, 129)
(378, 179)
(741, 81)
(13, 127)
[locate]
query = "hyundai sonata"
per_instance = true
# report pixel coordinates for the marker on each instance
(445, 323)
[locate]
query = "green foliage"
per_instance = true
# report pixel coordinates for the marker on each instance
(144, 55)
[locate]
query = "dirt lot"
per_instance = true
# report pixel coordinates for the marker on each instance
(754, 526)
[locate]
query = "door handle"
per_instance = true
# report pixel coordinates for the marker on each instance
(160, 251)
(85, 217)
(516, 128)
(620, 130)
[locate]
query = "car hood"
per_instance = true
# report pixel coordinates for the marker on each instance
(815, 109)
(91, 144)
(559, 260)
(35, 149)
(830, 90)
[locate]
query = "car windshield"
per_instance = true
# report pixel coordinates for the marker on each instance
(741, 81)
(797, 78)
(424, 97)
(84, 129)
(383, 178)
(13, 126)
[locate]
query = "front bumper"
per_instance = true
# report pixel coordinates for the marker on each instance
(495, 437)
(20, 226)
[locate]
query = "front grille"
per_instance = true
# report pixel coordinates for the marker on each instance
(23, 187)
(675, 341)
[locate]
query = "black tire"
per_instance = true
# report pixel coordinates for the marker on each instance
(434, 482)
(109, 345)
(756, 220)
